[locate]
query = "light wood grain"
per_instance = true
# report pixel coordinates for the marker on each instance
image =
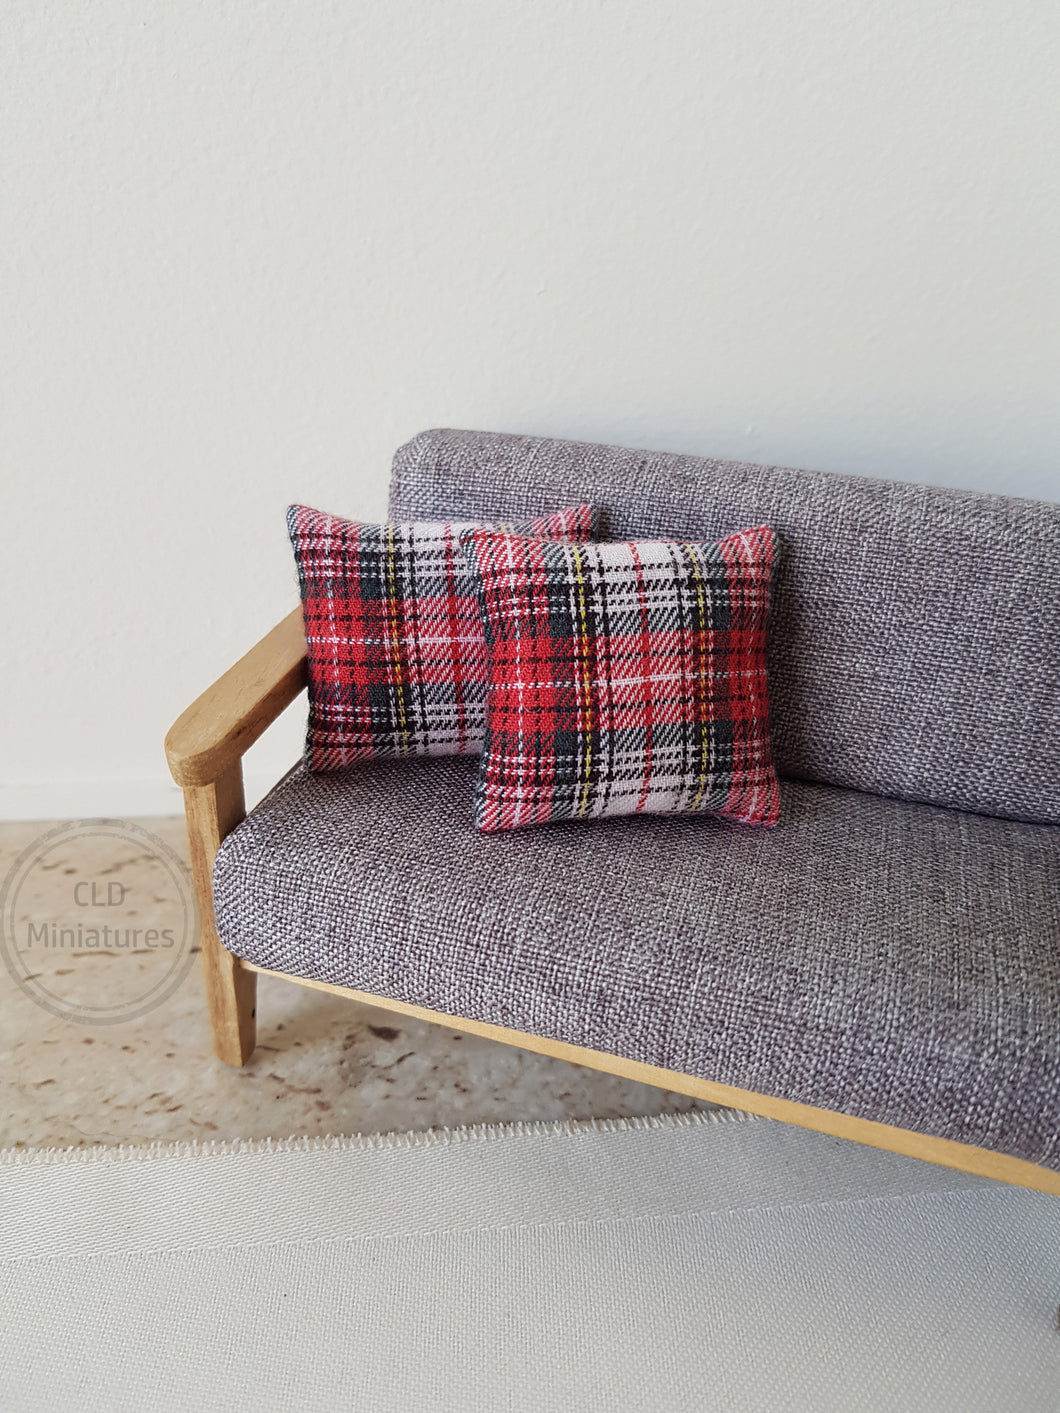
(945, 1151)
(219, 726)
(205, 747)
(213, 811)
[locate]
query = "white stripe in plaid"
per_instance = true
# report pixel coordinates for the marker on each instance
(625, 678)
(396, 658)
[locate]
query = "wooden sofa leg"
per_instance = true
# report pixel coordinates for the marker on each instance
(212, 811)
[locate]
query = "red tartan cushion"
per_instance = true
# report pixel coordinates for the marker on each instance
(625, 679)
(396, 657)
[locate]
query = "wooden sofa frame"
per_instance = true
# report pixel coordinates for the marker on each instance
(205, 750)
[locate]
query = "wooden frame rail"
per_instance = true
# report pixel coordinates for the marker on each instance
(205, 748)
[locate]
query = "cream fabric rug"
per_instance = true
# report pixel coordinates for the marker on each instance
(699, 1262)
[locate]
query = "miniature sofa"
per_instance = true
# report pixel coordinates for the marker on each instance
(883, 966)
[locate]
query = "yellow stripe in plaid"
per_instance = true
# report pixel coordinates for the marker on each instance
(395, 641)
(583, 649)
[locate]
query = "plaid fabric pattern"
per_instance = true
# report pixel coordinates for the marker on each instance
(625, 679)
(396, 656)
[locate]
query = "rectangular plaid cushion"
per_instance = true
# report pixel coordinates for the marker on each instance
(625, 678)
(396, 656)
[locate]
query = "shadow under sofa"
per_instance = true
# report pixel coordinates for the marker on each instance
(883, 966)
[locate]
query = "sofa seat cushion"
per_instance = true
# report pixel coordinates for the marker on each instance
(894, 961)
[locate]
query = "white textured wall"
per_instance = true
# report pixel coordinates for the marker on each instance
(247, 248)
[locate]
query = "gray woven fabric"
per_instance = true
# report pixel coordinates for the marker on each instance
(890, 960)
(916, 635)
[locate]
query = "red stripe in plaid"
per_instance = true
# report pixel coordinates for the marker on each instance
(396, 658)
(625, 679)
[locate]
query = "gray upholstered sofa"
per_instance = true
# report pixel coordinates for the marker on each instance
(884, 965)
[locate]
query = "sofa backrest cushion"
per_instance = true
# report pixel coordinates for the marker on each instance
(915, 647)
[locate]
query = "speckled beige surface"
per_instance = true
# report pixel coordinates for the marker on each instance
(323, 1065)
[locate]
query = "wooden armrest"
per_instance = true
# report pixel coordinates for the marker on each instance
(215, 731)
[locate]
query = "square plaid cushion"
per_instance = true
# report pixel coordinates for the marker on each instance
(625, 679)
(396, 656)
